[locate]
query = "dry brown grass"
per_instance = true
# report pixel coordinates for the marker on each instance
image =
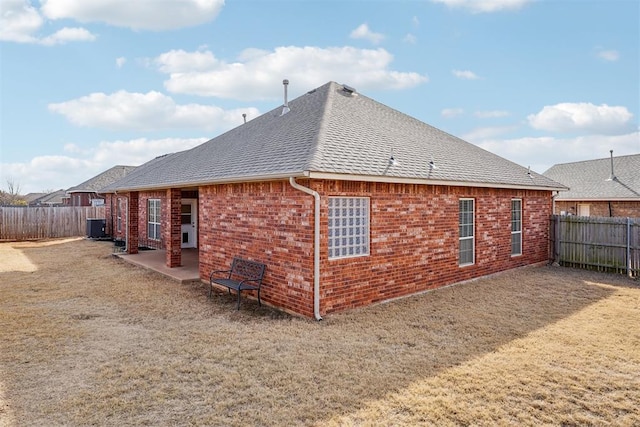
(87, 339)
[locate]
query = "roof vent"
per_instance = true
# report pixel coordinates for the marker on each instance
(612, 177)
(348, 89)
(244, 117)
(285, 106)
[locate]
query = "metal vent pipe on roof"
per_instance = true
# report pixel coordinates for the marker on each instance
(612, 177)
(285, 108)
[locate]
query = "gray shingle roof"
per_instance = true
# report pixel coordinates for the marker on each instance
(53, 198)
(589, 180)
(102, 180)
(329, 131)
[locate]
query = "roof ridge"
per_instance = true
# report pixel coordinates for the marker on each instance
(597, 160)
(315, 155)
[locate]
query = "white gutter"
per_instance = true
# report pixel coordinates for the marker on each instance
(316, 245)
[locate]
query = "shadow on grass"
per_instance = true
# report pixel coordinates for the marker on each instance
(163, 351)
(366, 354)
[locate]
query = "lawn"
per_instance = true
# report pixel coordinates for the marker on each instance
(87, 339)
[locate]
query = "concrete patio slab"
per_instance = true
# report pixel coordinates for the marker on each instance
(155, 260)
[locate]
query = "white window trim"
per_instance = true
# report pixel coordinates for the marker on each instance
(366, 236)
(472, 237)
(516, 232)
(149, 222)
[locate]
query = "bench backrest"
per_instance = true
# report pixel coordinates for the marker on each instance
(247, 269)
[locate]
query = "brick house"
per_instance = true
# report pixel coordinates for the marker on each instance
(347, 201)
(88, 192)
(603, 187)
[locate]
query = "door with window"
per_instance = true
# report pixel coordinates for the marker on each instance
(189, 219)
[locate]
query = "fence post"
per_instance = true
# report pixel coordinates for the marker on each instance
(629, 271)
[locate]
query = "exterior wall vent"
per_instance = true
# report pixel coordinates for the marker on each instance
(348, 89)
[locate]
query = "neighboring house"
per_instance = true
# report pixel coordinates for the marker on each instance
(54, 198)
(88, 193)
(32, 198)
(602, 187)
(347, 201)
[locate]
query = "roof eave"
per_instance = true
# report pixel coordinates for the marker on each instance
(423, 181)
(228, 180)
(331, 176)
(597, 199)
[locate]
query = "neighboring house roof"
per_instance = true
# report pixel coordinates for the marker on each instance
(98, 182)
(591, 179)
(33, 197)
(331, 132)
(54, 198)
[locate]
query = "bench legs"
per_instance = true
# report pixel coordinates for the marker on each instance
(238, 292)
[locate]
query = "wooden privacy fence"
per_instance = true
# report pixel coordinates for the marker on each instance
(597, 243)
(26, 223)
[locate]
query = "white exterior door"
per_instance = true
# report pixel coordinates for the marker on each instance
(189, 221)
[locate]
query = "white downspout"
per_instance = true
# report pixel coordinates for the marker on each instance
(126, 232)
(316, 245)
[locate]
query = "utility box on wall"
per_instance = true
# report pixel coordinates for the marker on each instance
(96, 228)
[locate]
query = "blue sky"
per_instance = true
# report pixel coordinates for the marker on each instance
(86, 85)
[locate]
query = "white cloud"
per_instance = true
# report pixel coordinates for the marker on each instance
(138, 14)
(415, 21)
(410, 38)
(363, 32)
(542, 153)
(137, 151)
(20, 22)
(584, 118)
(120, 61)
(78, 164)
(465, 74)
(258, 73)
(180, 61)
(146, 111)
(449, 113)
(480, 6)
(608, 55)
(491, 114)
(68, 35)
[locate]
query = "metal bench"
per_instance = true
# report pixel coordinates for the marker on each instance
(244, 275)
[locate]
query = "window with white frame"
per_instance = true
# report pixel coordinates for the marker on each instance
(516, 227)
(348, 227)
(153, 214)
(467, 234)
(119, 215)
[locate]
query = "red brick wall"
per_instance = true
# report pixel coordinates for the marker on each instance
(111, 213)
(82, 199)
(620, 209)
(171, 226)
(267, 222)
(413, 235)
(143, 218)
